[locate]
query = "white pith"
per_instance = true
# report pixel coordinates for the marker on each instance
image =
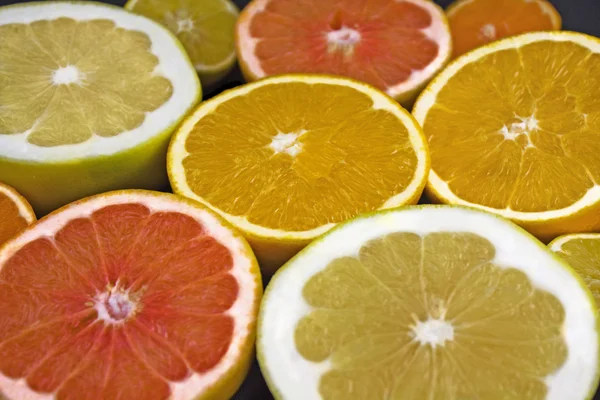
(242, 310)
(292, 377)
(173, 65)
(67, 75)
(428, 99)
(438, 31)
(432, 332)
(177, 151)
(205, 68)
(24, 210)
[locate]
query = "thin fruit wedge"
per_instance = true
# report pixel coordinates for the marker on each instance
(428, 302)
(127, 295)
(89, 97)
(395, 45)
(474, 23)
(286, 158)
(204, 27)
(15, 213)
(514, 128)
(582, 252)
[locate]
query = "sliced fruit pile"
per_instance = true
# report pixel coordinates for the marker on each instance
(301, 164)
(397, 46)
(130, 294)
(428, 303)
(307, 174)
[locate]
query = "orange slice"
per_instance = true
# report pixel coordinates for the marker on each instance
(131, 295)
(15, 213)
(394, 45)
(474, 23)
(286, 158)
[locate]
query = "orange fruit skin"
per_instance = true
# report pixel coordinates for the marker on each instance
(228, 383)
(15, 213)
(470, 19)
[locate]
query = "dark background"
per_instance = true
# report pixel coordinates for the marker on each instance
(578, 15)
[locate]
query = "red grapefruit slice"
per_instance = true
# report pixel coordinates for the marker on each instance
(128, 295)
(395, 45)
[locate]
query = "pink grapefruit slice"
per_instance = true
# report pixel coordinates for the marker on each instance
(395, 45)
(127, 295)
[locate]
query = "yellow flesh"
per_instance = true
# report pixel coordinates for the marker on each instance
(547, 165)
(350, 157)
(507, 334)
(205, 27)
(116, 85)
(583, 255)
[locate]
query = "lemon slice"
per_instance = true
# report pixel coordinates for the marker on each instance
(206, 29)
(428, 302)
(89, 95)
(582, 252)
(286, 158)
(513, 128)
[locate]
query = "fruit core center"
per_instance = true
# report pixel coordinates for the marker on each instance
(488, 31)
(520, 129)
(343, 39)
(287, 143)
(114, 306)
(434, 332)
(185, 25)
(66, 75)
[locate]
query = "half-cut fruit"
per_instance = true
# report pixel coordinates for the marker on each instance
(286, 158)
(430, 302)
(205, 28)
(514, 128)
(15, 213)
(582, 252)
(395, 45)
(89, 96)
(129, 295)
(474, 23)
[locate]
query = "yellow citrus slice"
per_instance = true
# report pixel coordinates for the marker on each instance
(474, 23)
(15, 213)
(428, 302)
(129, 294)
(513, 128)
(395, 45)
(205, 28)
(286, 158)
(89, 96)
(582, 252)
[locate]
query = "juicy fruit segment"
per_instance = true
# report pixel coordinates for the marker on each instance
(66, 81)
(384, 43)
(582, 252)
(301, 162)
(15, 213)
(531, 146)
(474, 23)
(430, 316)
(123, 295)
(205, 28)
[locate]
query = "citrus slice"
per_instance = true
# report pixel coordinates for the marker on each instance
(513, 128)
(286, 158)
(395, 45)
(582, 252)
(15, 213)
(474, 23)
(428, 302)
(205, 28)
(129, 295)
(89, 96)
